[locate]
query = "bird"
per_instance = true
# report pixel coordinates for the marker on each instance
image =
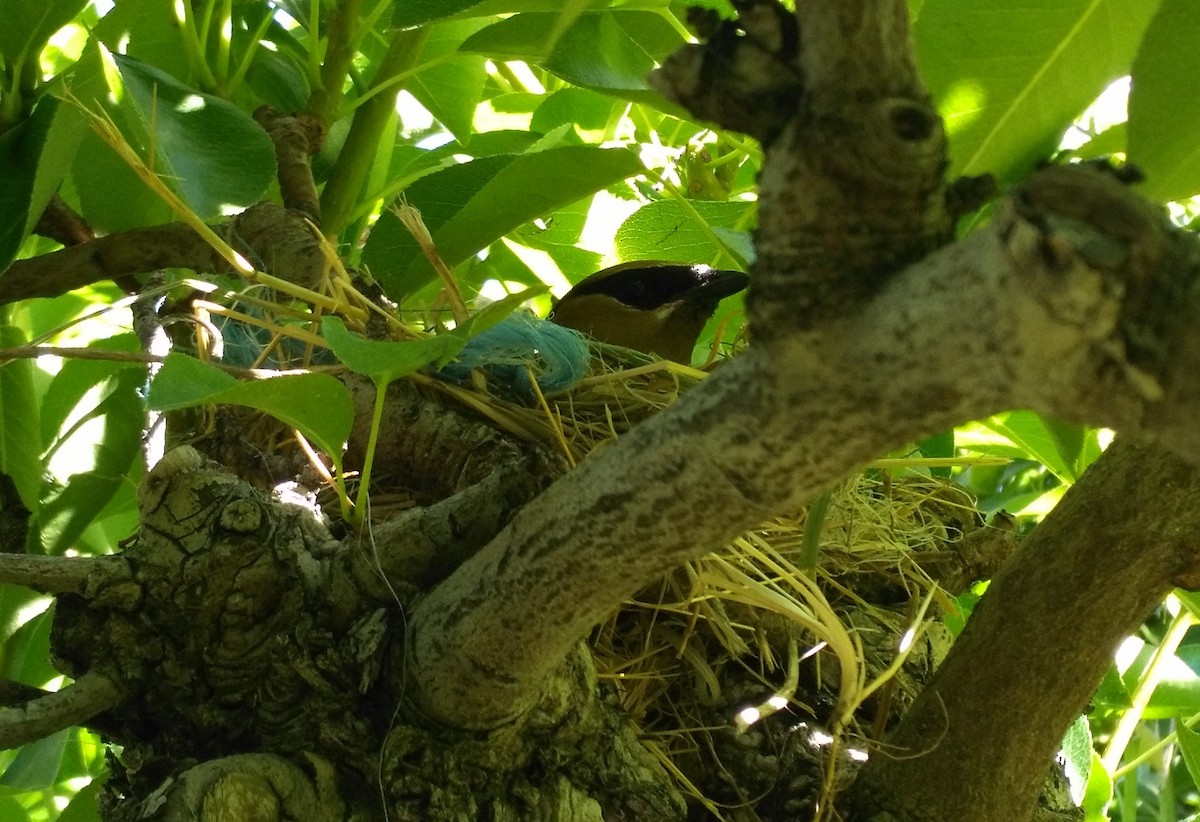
(650, 306)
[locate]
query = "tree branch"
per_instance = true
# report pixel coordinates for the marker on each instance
(58, 575)
(274, 239)
(296, 137)
(996, 711)
(349, 173)
(63, 224)
(771, 429)
(91, 694)
(136, 251)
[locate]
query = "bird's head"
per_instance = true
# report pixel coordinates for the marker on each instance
(656, 307)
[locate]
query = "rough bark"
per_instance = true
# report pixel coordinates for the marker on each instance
(229, 633)
(1059, 305)
(776, 426)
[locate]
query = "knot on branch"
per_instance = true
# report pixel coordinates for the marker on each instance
(746, 77)
(296, 137)
(1086, 213)
(258, 786)
(281, 242)
(233, 632)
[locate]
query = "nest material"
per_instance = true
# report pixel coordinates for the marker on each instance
(736, 664)
(808, 654)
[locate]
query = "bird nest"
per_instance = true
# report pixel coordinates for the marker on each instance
(804, 638)
(761, 674)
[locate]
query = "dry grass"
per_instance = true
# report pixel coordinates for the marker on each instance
(751, 605)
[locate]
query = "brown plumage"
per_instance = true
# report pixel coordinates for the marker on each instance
(656, 307)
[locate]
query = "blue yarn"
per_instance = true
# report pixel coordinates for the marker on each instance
(244, 342)
(519, 345)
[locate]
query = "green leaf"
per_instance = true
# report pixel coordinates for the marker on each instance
(46, 317)
(34, 158)
(519, 37)
(562, 237)
(964, 605)
(385, 362)
(494, 313)
(1099, 792)
(75, 379)
(20, 446)
(1077, 756)
(1030, 434)
(148, 30)
(938, 446)
(596, 51)
(1191, 600)
(1112, 693)
(684, 231)
(66, 512)
(449, 85)
(278, 80)
(528, 36)
(1164, 116)
(492, 143)
(584, 110)
(1077, 444)
(390, 249)
(1178, 687)
(28, 24)
(98, 171)
(501, 265)
(26, 654)
(451, 91)
(59, 127)
(85, 805)
(11, 808)
(1189, 746)
(117, 520)
(317, 405)
(36, 765)
(213, 153)
(185, 382)
(492, 8)
(14, 599)
(651, 30)
(1112, 140)
(469, 206)
(1009, 81)
(415, 12)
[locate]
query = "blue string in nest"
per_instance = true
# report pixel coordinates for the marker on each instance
(521, 345)
(243, 343)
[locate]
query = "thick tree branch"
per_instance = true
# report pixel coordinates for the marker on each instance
(1029, 329)
(995, 713)
(472, 478)
(853, 187)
